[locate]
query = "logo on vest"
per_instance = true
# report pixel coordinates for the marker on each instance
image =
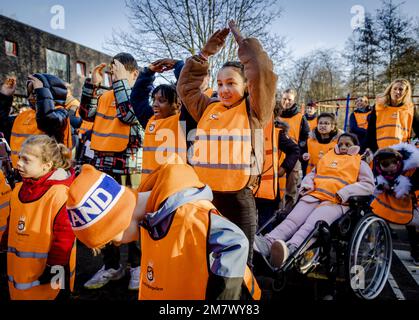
(395, 115)
(214, 116)
(21, 224)
(152, 127)
(150, 272)
(101, 198)
(334, 165)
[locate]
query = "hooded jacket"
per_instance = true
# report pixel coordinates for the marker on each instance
(50, 120)
(407, 182)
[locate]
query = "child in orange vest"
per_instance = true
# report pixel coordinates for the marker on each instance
(339, 175)
(358, 121)
(40, 239)
(115, 146)
(322, 139)
(397, 189)
(189, 251)
(246, 99)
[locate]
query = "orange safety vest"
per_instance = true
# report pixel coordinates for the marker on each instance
(334, 172)
(85, 125)
(312, 123)
(268, 187)
(295, 126)
(24, 126)
(394, 124)
(317, 150)
(109, 133)
(5, 193)
(362, 119)
(399, 211)
(222, 149)
(183, 248)
(162, 138)
(30, 236)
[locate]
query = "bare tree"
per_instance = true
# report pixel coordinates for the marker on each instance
(179, 28)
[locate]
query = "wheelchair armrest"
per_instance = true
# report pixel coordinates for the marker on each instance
(359, 201)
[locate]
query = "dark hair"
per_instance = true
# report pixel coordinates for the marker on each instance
(127, 60)
(168, 91)
(353, 137)
(328, 115)
(236, 65)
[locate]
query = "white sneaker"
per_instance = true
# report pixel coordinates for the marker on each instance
(102, 277)
(134, 281)
(279, 253)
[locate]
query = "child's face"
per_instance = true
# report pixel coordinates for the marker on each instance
(344, 144)
(30, 164)
(311, 110)
(231, 86)
(161, 106)
(325, 125)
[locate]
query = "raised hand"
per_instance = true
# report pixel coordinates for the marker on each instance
(118, 71)
(97, 74)
(8, 87)
(235, 31)
(36, 83)
(215, 42)
(162, 65)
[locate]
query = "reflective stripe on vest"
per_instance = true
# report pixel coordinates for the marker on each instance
(333, 172)
(399, 211)
(162, 138)
(109, 133)
(30, 237)
(268, 187)
(317, 150)
(222, 150)
(295, 126)
(362, 119)
(177, 249)
(251, 284)
(394, 124)
(24, 126)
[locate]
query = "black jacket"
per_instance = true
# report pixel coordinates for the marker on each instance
(50, 120)
(287, 146)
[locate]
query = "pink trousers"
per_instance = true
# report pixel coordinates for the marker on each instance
(302, 220)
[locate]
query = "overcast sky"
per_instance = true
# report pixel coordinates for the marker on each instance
(307, 25)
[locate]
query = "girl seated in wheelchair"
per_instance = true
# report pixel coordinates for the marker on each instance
(324, 193)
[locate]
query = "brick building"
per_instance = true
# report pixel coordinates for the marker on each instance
(25, 50)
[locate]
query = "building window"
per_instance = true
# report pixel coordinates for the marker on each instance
(81, 69)
(11, 48)
(107, 79)
(57, 64)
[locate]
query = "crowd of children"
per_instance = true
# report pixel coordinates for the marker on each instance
(185, 175)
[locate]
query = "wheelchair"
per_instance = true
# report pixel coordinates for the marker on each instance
(356, 250)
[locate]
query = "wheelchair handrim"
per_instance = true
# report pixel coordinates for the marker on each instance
(381, 272)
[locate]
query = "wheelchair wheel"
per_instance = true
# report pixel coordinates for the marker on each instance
(370, 257)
